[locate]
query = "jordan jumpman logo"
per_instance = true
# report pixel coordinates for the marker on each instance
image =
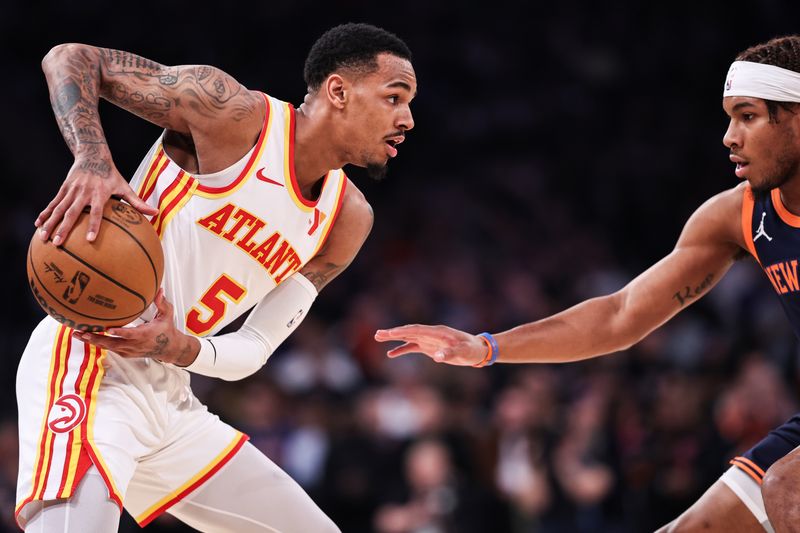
(761, 232)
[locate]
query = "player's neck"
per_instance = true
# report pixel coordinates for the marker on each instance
(790, 195)
(314, 152)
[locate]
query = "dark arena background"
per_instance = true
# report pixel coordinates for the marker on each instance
(558, 150)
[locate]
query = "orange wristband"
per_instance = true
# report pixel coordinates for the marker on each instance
(491, 354)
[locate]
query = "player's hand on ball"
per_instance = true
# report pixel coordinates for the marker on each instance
(440, 343)
(158, 339)
(91, 181)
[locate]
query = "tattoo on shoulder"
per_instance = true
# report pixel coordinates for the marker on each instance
(689, 293)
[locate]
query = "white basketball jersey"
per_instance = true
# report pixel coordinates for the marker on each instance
(231, 237)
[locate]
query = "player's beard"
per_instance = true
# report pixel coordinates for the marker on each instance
(377, 171)
(786, 166)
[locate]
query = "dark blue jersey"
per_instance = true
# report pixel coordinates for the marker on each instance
(772, 234)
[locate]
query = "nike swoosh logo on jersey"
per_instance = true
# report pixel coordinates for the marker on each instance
(260, 175)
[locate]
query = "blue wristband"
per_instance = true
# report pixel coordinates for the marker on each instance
(495, 350)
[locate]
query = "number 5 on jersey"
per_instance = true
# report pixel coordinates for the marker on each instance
(215, 301)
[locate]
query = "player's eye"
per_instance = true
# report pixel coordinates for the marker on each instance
(394, 98)
(747, 117)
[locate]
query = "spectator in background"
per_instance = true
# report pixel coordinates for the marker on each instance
(438, 500)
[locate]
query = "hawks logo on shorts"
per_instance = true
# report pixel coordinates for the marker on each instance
(66, 414)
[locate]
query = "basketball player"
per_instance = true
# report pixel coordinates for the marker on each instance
(248, 197)
(761, 217)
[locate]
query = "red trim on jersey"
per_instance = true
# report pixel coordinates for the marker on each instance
(150, 184)
(335, 214)
(182, 494)
(87, 444)
(68, 459)
(43, 435)
(155, 220)
(164, 211)
(292, 176)
(246, 170)
(791, 219)
(748, 203)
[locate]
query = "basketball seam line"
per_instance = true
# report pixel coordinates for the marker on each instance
(44, 287)
(146, 254)
(109, 278)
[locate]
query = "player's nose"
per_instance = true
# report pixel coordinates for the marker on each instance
(732, 136)
(405, 120)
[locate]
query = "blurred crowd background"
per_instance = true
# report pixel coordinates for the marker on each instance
(559, 148)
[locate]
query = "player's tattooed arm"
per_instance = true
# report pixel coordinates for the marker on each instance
(177, 98)
(74, 80)
(181, 98)
(74, 83)
(689, 292)
(345, 240)
(320, 273)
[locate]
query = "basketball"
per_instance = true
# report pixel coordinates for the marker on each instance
(91, 286)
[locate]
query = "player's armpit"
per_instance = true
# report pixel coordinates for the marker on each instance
(345, 240)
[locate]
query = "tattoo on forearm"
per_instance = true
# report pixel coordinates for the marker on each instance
(321, 276)
(74, 80)
(160, 94)
(162, 341)
(66, 97)
(98, 167)
(689, 293)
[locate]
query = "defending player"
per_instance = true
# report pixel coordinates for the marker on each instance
(760, 216)
(247, 195)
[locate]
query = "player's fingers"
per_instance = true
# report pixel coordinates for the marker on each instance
(95, 216)
(45, 214)
(70, 217)
(143, 207)
(411, 332)
(163, 305)
(408, 347)
(123, 333)
(103, 341)
(55, 215)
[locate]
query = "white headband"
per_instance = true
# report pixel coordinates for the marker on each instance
(758, 80)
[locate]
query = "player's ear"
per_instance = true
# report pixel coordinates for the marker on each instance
(336, 91)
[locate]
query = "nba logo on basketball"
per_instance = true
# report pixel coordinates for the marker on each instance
(76, 287)
(66, 414)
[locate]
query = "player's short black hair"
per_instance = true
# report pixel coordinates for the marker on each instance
(352, 46)
(781, 52)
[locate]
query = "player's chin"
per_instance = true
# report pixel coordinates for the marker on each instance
(377, 171)
(761, 184)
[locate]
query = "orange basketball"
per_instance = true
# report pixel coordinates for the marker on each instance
(91, 286)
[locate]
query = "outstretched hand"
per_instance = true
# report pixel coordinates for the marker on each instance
(440, 343)
(91, 181)
(159, 338)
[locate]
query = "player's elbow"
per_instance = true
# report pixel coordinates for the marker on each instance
(60, 51)
(624, 327)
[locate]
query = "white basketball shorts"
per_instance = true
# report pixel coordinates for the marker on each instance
(135, 419)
